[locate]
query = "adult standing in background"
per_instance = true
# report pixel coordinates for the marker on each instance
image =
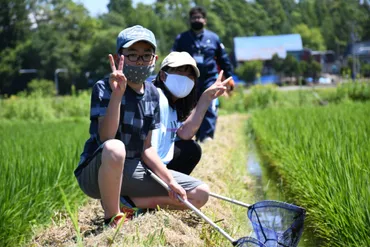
(209, 53)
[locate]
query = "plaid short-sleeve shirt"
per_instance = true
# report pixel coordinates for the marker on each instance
(139, 114)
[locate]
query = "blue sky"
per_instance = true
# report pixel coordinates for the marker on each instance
(97, 7)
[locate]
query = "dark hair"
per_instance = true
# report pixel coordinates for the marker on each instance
(183, 106)
(198, 9)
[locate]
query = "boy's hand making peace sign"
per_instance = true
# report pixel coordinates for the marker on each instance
(117, 80)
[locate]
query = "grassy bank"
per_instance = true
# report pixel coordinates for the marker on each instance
(222, 167)
(322, 155)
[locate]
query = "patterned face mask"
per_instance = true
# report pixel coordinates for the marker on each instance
(137, 74)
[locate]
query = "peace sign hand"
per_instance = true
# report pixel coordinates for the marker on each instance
(117, 80)
(217, 88)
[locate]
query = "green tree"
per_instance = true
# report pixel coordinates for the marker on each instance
(50, 34)
(289, 7)
(311, 37)
(223, 20)
(366, 26)
(290, 66)
(321, 10)
(121, 6)
(277, 63)
(348, 16)
(310, 68)
(248, 70)
(234, 18)
(276, 13)
(173, 19)
(307, 13)
(14, 23)
(64, 31)
(365, 70)
(14, 31)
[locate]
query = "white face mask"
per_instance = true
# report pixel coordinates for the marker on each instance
(180, 86)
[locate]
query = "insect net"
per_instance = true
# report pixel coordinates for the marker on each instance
(248, 242)
(277, 224)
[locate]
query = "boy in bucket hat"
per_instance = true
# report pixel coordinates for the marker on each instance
(124, 111)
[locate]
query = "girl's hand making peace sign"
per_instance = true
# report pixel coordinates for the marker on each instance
(217, 88)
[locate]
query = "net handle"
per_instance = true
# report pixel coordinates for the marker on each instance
(251, 205)
(192, 207)
(230, 200)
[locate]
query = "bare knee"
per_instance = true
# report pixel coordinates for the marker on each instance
(199, 195)
(114, 153)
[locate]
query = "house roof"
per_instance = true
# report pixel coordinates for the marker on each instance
(264, 47)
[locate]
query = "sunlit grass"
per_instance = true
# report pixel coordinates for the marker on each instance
(322, 154)
(43, 161)
(36, 159)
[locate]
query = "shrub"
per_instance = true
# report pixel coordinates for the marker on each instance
(359, 91)
(32, 108)
(41, 108)
(261, 96)
(249, 70)
(43, 87)
(234, 103)
(365, 69)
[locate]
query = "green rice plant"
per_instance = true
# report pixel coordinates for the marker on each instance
(116, 231)
(156, 237)
(297, 98)
(36, 159)
(322, 155)
(73, 217)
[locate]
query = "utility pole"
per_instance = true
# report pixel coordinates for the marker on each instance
(353, 39)
(56, 78)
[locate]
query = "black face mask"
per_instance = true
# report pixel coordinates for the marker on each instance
(197, 25)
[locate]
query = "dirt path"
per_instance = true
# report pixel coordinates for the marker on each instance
(170, 228)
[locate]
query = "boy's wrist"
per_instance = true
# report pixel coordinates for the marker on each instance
(172, 182)
(117, 96)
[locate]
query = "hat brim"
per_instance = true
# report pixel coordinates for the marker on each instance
(180, 63)
(130, 43)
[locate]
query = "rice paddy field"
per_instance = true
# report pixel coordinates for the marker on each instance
(320, 151)
(322, 155)
(37, 161)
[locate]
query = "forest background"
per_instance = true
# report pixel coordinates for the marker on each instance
(38, 37)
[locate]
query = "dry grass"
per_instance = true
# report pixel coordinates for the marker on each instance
(222, 167)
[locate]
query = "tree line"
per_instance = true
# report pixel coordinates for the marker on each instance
(37, 37)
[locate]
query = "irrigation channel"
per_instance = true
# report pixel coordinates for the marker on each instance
(269, 187)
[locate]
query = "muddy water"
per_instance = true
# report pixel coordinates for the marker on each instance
(269, 187)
